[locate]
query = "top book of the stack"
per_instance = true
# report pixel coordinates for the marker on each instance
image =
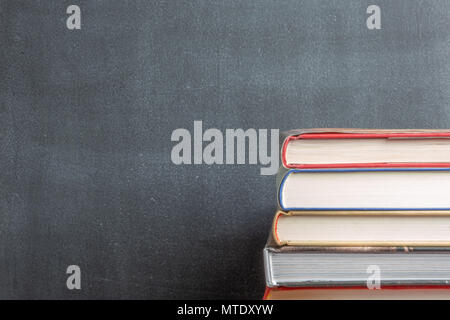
(366, 148)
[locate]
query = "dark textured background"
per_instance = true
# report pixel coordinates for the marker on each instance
(86, 118)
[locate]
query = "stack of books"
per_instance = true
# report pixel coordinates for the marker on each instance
(363, 214)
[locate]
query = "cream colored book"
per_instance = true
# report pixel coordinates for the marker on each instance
(362, 228)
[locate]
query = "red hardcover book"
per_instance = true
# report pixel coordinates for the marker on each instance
(365, 148)
(433, 292)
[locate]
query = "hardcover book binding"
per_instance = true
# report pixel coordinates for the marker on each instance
(365, 189)
(362, 228)
(354, 198)
(295, 266)
(359, 293)
(365, 148)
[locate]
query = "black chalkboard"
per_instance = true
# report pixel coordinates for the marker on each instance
(87, 116)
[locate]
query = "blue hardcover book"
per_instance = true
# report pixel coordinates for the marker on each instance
(365, 189)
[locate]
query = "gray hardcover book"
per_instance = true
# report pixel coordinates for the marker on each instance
(291, 266)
